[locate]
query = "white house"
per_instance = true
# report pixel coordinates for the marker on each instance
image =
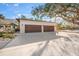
(27, 25)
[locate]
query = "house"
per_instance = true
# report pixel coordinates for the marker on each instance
(27, 25)
(6, 25)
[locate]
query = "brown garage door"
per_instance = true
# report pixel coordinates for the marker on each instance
(32, 28)
(48, 28)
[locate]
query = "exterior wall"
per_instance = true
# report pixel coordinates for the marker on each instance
(42, 28)
(27, 22)
(22, 27)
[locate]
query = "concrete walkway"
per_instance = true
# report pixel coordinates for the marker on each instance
(39, 44)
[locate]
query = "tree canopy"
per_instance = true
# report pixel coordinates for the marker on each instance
(68, 11)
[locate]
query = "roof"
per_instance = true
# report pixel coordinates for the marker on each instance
(34, 20)
(5, 21)
(11, 20)
(37, 22)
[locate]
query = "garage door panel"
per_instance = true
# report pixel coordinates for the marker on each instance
(48, 28)
(32, 28)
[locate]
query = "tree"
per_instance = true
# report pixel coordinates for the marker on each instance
(1, 16)
(68, 11)
(23, 17)
(37, 13)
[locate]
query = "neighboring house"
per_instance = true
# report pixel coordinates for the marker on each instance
(6, 25)
(27, 25)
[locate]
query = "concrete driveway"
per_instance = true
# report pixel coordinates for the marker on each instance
(28, 38)
(43, 44)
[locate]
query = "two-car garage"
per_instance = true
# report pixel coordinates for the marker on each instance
(37, 28)
(27, 26)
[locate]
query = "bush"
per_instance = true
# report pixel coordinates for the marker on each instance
(0, 34)
(7, 34)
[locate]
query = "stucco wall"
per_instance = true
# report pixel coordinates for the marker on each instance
(27, 22)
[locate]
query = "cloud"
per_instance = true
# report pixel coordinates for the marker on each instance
(6, 4)
(16, 5)
(16, 11)
(27, 15)
(18, 15)
(13, 17)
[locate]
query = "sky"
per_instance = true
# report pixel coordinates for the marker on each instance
(14, 10)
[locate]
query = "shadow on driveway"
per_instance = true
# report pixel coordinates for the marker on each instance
(28, 38)
(39, 52)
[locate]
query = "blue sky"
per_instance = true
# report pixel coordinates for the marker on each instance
(13, 10)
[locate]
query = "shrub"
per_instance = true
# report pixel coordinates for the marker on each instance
(7, 34)
(0, 34)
